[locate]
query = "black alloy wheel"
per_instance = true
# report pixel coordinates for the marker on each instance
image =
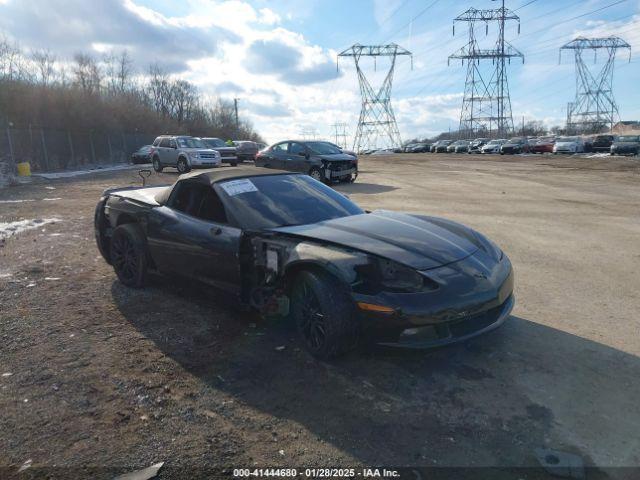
(129, 255)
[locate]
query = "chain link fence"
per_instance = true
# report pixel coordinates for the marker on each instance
(49, 150)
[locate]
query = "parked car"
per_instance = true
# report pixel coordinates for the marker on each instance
(321, 160)
(383, 151)
(515, 145)
(476, 145)
(602, 143)
(246, 150)
(284, 243)
(183, 153)
(407, 148)
(626, 145)
(227, 153)
(142, 155)
(420, 148)
(459, 146)
(569, 145)
(441, 146)
(542, 145)
(493, 146)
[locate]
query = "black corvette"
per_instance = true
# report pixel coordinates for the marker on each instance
(287, 244)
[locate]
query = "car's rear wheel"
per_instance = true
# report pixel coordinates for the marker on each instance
(182, 165)
(316, 174)
(129, 255)
(323, 315)
(156, 164)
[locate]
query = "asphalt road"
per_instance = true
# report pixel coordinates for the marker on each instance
(105, 376)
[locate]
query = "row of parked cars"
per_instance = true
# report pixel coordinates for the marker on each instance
(616, 145)
(185, 152)
(322, 160)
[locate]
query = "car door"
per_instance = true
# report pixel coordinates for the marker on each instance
(163, 150)
(296, 159)
(191, 236)
(277, 155)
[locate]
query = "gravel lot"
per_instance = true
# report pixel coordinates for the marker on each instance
(97, 378)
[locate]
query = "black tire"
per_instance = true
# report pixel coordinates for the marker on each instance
(234, 164)
(323, 314)
(156, 165)
(129, 255)
(183, 165)
(316, 174)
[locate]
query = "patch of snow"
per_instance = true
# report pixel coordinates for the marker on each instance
(51, 199)
(76, 173)
(17, 201)
(52, 279)
(8, 229)
(50, 188)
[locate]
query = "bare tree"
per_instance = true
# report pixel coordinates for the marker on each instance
(45, 63)
(87, 73)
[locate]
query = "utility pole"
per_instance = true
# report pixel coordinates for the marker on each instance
(486, 106)
(594, 106)
(377, 120)
(235, 106)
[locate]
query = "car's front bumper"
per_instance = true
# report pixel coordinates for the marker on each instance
(205, 162)
(455, 313)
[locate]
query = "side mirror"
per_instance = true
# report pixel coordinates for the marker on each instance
(303, 154)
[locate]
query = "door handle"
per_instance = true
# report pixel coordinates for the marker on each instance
(215, 230)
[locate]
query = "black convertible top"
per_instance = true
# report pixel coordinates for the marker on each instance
(218, 175)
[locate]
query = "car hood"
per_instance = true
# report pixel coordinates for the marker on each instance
(338, 157)
(422, 243)
(566, 144)
(224, 149)
(625, 144)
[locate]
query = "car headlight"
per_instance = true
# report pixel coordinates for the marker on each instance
(194, 154)
(383, 274)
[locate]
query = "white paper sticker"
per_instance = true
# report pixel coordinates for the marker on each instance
(236, 187)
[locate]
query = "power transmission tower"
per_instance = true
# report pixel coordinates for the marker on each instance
(594, 107)
(486, 105)
(340, 134)
(308, 133)
(377, 119)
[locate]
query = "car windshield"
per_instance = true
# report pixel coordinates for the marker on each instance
(322, 148)
(189, 142)
(214, 142)
(495, 142)
(628, 138)
(282, 200)
(567, 139)
(516, 140)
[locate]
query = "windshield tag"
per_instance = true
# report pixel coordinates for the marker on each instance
(236, 187)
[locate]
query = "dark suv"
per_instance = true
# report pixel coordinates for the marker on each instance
(515, 145)
(321, 160)
(227, 153)
(626, 145)
(602, 143)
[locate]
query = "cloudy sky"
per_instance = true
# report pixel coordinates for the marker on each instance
(279, 56)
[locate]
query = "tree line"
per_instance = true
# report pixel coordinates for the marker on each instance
(107, 93)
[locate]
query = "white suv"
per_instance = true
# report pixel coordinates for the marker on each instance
(183, 153)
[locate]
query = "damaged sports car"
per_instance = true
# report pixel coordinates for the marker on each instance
(287, 244)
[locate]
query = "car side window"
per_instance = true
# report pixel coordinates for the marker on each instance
(199, 201)
(211, 208)
(164, 142)
(156, 142)
(172, 143)
(187, 197)
(279, 148)
(296, 148)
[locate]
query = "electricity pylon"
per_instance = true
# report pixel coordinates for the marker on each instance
(486, 106)
(340, 134)
(377, 119)
(594, 107)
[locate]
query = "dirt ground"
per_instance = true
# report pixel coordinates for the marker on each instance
(98, 378)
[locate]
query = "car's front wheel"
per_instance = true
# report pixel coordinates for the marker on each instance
(316, 174)
(182, 165)
(129, 255)
(156, 164)
(323, 315)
